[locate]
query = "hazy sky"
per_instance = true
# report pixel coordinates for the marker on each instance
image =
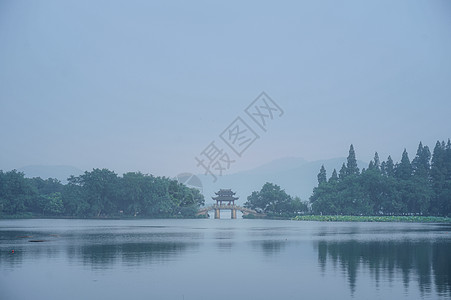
(137, 85)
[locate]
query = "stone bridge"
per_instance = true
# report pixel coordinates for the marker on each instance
(232, 208)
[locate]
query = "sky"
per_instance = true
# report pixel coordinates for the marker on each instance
(147, 86)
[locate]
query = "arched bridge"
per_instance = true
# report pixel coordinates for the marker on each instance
(233, 209)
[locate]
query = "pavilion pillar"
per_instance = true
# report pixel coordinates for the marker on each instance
(217, 213)
(233, 216)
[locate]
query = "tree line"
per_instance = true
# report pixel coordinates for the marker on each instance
(99, 193)
(418, 187)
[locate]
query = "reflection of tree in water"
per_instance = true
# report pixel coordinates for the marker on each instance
(100, 256)
(441, 266)
(105, 256)
(412, 258)
(94, 248)
(270, 247)
(224, 240)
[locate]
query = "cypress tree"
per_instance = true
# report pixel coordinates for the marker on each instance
(421, 163)
(437, 178)
(403, 170)
(420, 187)
(343, 172)
(322, 176)
(377, 163)
(441, 178)
(351, 166)
(390, 167)
(383, 169)
(334, 177)
(447, 160)
(446, 194)
(438, 168)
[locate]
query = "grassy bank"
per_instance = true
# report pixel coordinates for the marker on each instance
(410, 219)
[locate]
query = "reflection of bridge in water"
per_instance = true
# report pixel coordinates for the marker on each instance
(233, 208)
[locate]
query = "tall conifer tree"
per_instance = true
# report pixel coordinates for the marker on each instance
(322, 176)
(343, 172)
(351, 166)
(334, 177)
(404, 168)
(390, 167)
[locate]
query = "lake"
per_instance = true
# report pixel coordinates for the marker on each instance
(223, 259)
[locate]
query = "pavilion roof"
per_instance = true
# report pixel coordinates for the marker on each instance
(225, 195)
(224, 198)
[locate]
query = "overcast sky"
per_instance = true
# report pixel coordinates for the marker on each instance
(136, 85)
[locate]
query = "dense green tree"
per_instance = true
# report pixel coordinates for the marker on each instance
(438, 177)
(419, 188)
(343, 172)
(391, 202)
(298, 206)
(272, 200)
(383, 169)
(43, 195)
(334, 177)
(373, 188)
(326, 199)
(375, 163)
(352, 197)
(54, 204)
(441, 179)
(132, 193)
(376, 160)
(403, 170)
(388, 167)
(15, 192)
(351, 165)
(100, 192)
(74, 200)
(322, 176)
(421, 164)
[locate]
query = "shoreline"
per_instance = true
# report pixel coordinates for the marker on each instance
(396, 219)
(315, 218)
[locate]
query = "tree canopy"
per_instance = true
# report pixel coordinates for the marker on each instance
(99, 193)
(274, 201)
(418, 187)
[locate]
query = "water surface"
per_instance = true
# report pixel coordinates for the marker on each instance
(223, 259)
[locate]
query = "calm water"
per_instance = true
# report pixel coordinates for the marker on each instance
(223, 259)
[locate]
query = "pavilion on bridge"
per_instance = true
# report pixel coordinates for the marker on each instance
(225, 195)
(228, 197)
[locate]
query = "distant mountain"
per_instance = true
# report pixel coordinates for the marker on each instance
(296, 176)
(59, 172)
(278, 165)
